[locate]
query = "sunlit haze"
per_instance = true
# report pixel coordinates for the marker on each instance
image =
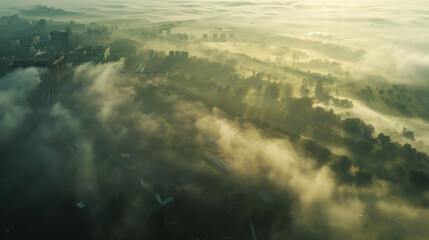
(214, 120)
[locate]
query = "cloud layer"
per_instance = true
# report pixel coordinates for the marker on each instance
(66, 148)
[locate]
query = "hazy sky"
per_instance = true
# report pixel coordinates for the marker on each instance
(359, 22)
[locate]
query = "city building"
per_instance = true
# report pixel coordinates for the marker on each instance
(57, 68)
(69, 32)
(35, 40)
(185, 55)
(266, 197)
(151, 53)
(183, 36)
(56, 65)
(14, 43)
(98, 54)
(59, 40)
(178, 54)
(216, 161)
(42, 24)
(127, 162)
(164, 202)
(80, 205)
(9, 20)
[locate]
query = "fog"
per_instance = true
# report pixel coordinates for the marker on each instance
(214, 120)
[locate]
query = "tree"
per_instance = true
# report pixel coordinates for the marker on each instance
(408, 134)
(288, 90)
(363, 177)
(342, 165)
(272, 91)
(318, 90)
(419, 179)
(357, 126)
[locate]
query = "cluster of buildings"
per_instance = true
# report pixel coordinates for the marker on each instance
(25, 43)
(59, 40)
(218, 37)
(30, 43)
(16, 39)
(180, 55)
(157, 200)
(156, 61)
(96, 54)
(164, 32)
